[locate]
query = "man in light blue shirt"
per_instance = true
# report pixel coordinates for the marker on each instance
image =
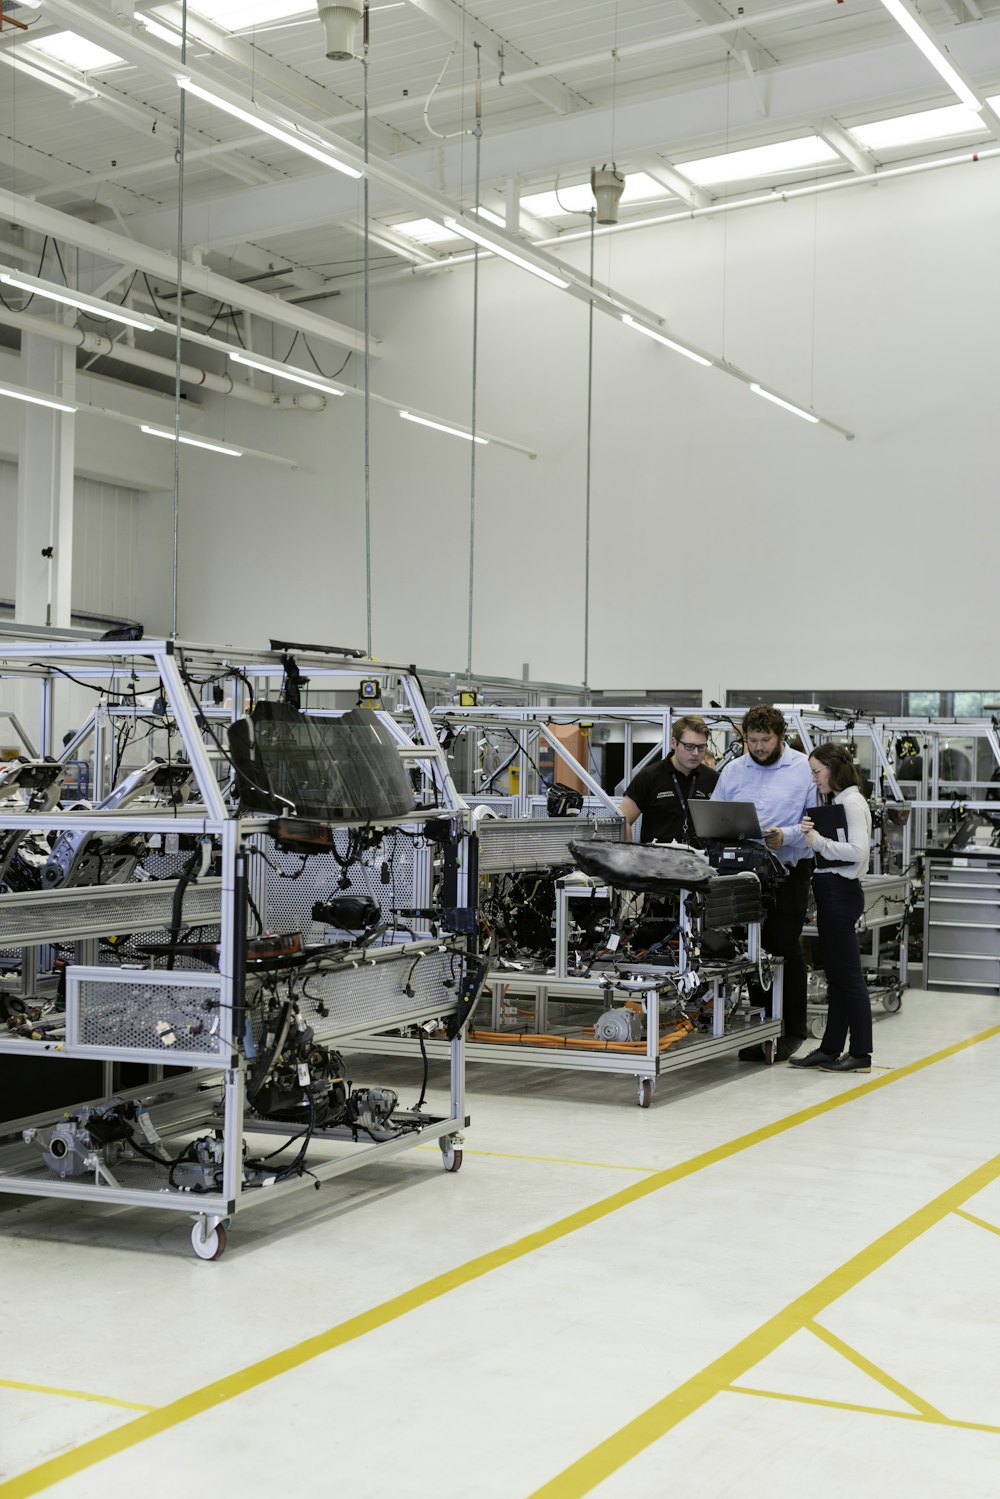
(777, 780)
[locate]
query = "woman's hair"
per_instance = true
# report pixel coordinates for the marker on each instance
(840, 763)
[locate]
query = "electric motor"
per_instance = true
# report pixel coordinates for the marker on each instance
(619, 1025)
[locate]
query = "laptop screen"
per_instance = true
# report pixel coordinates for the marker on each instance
(721, 821)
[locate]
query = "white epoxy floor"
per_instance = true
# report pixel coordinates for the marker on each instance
(815, 1313)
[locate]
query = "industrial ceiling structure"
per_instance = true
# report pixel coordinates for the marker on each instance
(220, 131)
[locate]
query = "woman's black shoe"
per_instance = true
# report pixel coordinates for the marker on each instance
(825, 1059)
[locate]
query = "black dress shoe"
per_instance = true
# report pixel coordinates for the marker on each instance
(787, 1045)
(751, 1053)
(847, 1063)
(814, 1059)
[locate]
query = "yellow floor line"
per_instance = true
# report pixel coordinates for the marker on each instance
(873, 1371)
(546, 1160)
(979, 1222)
(46, 1389)
(864, 1410)
(98, 1449)
(617, 1450)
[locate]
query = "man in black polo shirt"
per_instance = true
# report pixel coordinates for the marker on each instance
(660, 792)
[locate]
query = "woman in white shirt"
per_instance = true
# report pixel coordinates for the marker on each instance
(840, 862)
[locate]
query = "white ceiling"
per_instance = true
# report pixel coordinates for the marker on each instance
(565, 85)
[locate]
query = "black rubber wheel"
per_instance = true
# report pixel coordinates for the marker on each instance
(645, 1092)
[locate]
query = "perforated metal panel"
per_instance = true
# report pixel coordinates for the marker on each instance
(375, 993)
(538, 806)
(291, 889)
(523, 843)
(61, 915)
(158, 1017)
(502, 806)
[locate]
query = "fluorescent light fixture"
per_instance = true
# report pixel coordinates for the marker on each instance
(282, 130)
(639, 188)
(77, 299)
(157, 29)
(34, 400)
(79, 92)
(193, 442)
(494, 248)
(915, 129)
(76, 52)
(918, 33)
(632, 322)
(759, 390)
(760, 161)
(490, 217)
(285, 371)
(442, 427)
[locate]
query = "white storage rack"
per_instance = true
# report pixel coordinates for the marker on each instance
(120, 1014)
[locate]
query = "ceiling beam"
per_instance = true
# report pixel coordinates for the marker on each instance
(457, 24)
(846, 146)
(277, 77)
(194, 278)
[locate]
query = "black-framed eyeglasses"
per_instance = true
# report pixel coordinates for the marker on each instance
(695, 749)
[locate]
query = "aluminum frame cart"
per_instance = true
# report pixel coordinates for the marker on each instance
(630, 1018)
(178, 1143)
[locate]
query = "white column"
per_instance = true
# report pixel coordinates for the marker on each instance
(42, 585)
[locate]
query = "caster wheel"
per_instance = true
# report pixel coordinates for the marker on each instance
(213, 1246)
(770, 1050)
(817, 1028)
(893, 1001)
(451, 1156)
(645, 1092)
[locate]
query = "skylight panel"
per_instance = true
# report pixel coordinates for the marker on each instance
(66, 47)
(425, 231)
(914, 129)
(760, 161)
(234, 15)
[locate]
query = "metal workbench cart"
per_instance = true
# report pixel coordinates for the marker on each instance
(137, 928)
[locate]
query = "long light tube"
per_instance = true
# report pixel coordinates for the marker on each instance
(32, 399)
(76, 299)
(286, 372)
(193, 442)
(917, 33)
(759, 390)
(662, 339)
(495, 249)
(79, 93)
(286, 132)
(441, 427)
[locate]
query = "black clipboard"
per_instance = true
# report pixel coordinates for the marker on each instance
(830, 822)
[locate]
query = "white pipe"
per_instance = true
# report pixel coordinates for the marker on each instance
(63, 226)
(98, 343)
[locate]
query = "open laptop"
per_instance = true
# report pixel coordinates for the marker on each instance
(723, 822)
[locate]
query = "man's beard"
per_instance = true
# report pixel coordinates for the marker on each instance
(772, 758)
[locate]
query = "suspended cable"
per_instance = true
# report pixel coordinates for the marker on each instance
(478, 133)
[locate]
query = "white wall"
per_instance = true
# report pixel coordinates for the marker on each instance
(732, 544)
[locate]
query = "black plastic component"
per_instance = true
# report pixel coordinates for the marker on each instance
(462, 919)
(475, 977)
(351, 913)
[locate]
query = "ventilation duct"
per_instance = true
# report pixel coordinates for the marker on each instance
(607, 185)
(340, 23)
